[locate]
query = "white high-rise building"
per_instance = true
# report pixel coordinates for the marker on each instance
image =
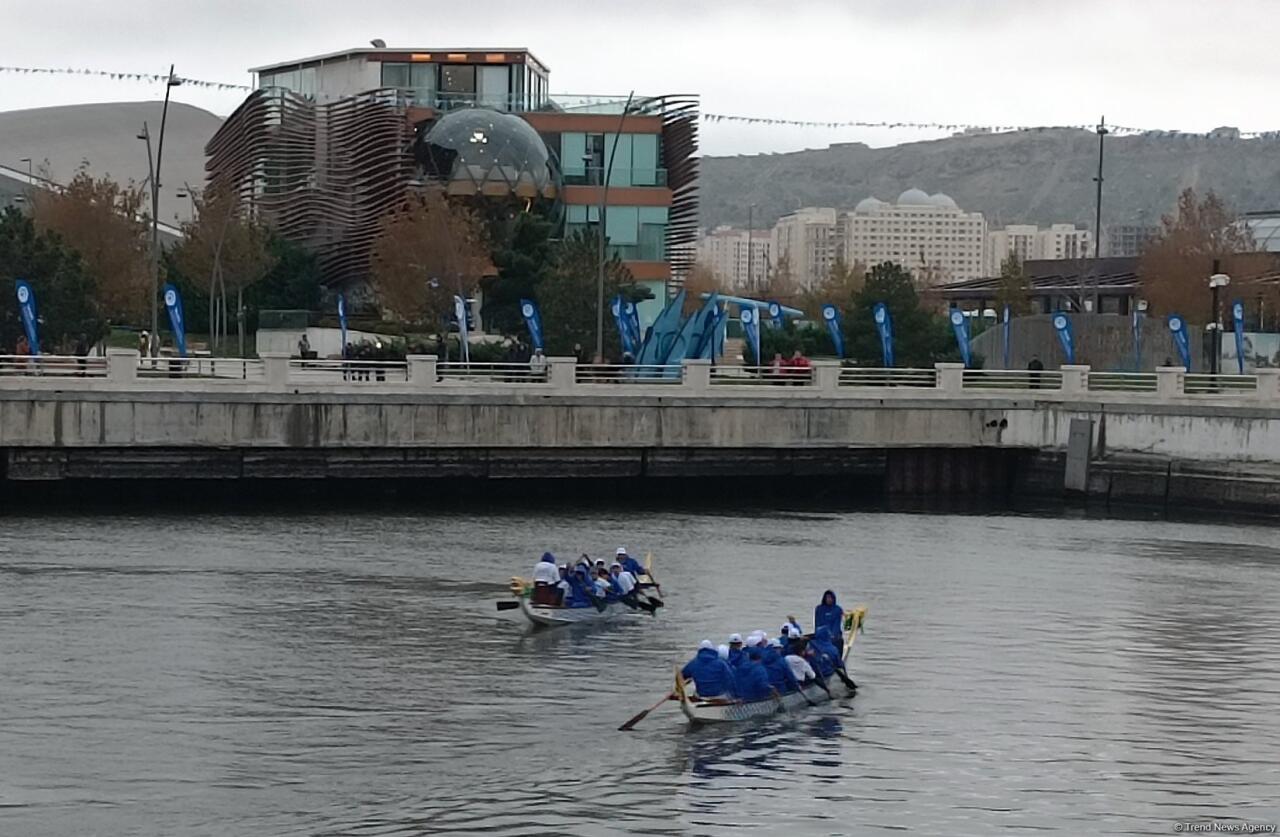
(808, 240)
(1027, 241)
(725, 252)
(927, 234)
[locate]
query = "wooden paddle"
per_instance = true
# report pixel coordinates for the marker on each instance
(641, 715)
(507, 605)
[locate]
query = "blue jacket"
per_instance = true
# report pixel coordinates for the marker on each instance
(780, 676)
(736, 657)
(632, 566)
(577, 592)
(827, 658)
(753, 680)
(829, 616)
(712, 674)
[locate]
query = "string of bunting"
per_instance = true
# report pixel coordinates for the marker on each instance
(586, 102)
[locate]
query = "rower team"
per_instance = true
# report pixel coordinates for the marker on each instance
(588, 584)
(760, 667)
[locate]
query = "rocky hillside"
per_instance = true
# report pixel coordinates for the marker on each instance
(1038, 177)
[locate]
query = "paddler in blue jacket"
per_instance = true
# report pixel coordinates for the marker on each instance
(830, 615)
(753, 680)
(825, 659)
(710, 674)
(780, 676)
(628, 563)
(736, 655)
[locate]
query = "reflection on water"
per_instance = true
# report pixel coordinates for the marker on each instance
(328, 675)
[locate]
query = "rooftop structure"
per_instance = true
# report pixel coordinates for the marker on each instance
(927, 234)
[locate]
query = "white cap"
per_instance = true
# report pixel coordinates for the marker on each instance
(622, 550)
(775, 643)
(706, 643)
(735, 638)
(723, 651)
(615, 564)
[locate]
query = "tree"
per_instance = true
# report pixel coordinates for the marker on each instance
(841, 284)
(567, 296)
(1175, 266)
(65, 300)
(1012, 290)
(223, 243)
(427, 252)
(780, 284)
(105, 223)
(701, 280)
(920, 338)
(523, 259)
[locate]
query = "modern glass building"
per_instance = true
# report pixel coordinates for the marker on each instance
(322, 130)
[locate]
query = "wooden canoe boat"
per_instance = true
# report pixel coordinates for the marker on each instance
(722, 710)
(550, 616)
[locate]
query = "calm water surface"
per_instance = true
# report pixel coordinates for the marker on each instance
(333, 674)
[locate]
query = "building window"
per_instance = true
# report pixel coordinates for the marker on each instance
(395, 75)
(457, 84)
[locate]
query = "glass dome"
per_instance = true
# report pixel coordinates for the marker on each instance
(477, 151)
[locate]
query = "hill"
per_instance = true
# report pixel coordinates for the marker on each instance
(1041, 177)
(105, 136)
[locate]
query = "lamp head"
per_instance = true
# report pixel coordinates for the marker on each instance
(1219, 280)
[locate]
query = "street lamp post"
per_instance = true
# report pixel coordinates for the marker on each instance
(1216, 281)
(153, 167)
(600, 255)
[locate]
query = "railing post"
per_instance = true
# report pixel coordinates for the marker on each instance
(1268, 384)
(562, 372)
(697, 375)
(826, 376)
(1170, 381)
(275, 368)
(950, 377)
(422, 370)
(1075, 379)
(122, 366)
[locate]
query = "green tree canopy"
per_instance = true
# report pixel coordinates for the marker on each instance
(920, 337)
(65, 296)
(523, 259)
(567, 297)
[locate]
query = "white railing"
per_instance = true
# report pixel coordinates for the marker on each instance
(501, 373)
(1202, 384)
(53, 366)
(616, 373)
(124, 370)
(1019, 379)
(1122, 382)
(211, 368)
(876, 378)
(759, 376)
(338, 371)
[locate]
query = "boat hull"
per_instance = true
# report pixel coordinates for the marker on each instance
(716, 711)
(548, 616)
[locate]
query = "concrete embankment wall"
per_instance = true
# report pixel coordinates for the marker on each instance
(1142, 451)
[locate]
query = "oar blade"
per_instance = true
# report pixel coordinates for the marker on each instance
(507, 605)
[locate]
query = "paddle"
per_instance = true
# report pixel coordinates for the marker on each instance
(507, 605)
(638, 717)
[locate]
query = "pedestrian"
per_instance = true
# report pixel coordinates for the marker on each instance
(82, 354)
(538, 365)
(304, 347)
(800, 368)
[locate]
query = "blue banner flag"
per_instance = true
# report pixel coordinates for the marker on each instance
(1178, 327)
(342, 322)
(960, 325)
(750, 318)
(662, 335)
(1006, 338)
(533, 320)
(775, 313)
(1062, 325)
(1237, 317)
(624, 328)
(884, 325)
(632, 316)
(27, 311)
(831, 315)
(173, 303)
(1137, 340)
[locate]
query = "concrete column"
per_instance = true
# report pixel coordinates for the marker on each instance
(1075, 380)
(950, 377)
(826, 376)
(563, 373)
(122, 366)
(1170, 380)
(697, 375)
(1268, 384)
(422, 370)
(275, 367)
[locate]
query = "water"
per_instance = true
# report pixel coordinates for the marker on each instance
(336, 674)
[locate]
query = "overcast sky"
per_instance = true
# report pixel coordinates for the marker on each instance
(1172, 64)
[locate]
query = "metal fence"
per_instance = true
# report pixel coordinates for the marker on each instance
(1005, 379)
(876, 378)
(495, 373)
(1201, 384)
(53, 366)
(614, 373)
(348, 371)
(1122, 382)
(208, 368)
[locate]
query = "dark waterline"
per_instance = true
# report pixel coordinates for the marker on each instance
(344, 672)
